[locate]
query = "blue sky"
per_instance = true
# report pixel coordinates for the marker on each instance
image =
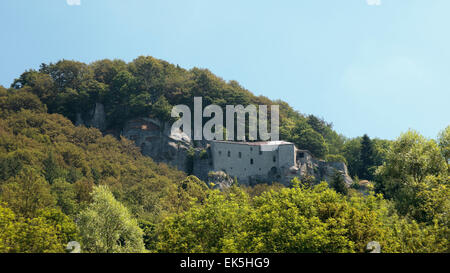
(368, 66)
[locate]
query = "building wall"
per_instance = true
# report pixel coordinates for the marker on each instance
(286, 155)
(225, 157)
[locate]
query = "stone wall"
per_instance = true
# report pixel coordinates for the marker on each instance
(249, 161)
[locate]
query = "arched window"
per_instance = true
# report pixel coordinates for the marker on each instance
(240, 155)
(274, 159)
(229, 153)
(251, 161)
(273, 171)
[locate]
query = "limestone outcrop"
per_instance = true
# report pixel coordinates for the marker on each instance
(158, 141)
(94, 118)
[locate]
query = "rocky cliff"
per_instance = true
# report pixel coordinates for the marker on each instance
(157, 140)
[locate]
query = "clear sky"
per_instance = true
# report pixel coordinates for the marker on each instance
(368, 66)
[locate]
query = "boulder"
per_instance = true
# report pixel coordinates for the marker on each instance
(220, 180)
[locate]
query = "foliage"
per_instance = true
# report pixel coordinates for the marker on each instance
(106, 226)
(338, 183)
(363, 155)
(27, 193)
(298, 219)
(162, 109)
(49, 231)
(336, 158)
(304, 137)
(367, 158)
(415, 176)
(444, 143)
(411, 158)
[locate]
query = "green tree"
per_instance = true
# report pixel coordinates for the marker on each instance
(410, 160)
(413, 156)
(367, 158)
(106, 70)
(3, 91)
(50, 231)
(305, 137)
(211, 227)
(162, 109)
(52, 170)
(22, 99)
(67, 74)
(150, 75)
(297, 219)
(40, 84)
(430, 201)
(65, 196)
(65, 227)
(336, 158)
(444, 143)
(106, 226)
(352, 153)
(334, 141)
(7, 229)
(27, 193)
(338, 183)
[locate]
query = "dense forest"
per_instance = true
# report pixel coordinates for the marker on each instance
(60, 182)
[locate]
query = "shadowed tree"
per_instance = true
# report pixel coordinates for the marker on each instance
(367, 158)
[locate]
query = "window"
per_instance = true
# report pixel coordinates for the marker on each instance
(229, 153)
(251, 149)
(240, 155)
(260, 152)
(301, 155)
(274, 159)
(251, 161)
(220, 152)
(273, 171)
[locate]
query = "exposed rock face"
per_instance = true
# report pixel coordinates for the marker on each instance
(201, 163)
(95, 118)
(99, 117)
(175, 148)
(329, 168)
(308, 166)
(220, 179)
(158, 141)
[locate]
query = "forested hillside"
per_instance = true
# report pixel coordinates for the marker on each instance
(149, 87)
(60, 182)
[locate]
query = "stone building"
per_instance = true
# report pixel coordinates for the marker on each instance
(250, 162)
(271, 161)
